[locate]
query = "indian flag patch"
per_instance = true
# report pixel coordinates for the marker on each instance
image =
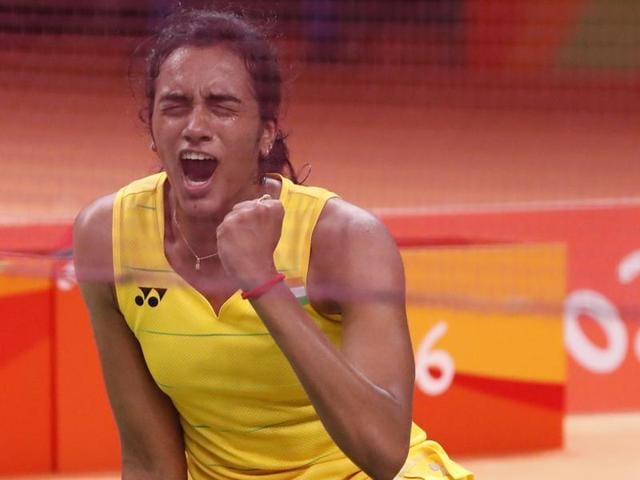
(296, 285)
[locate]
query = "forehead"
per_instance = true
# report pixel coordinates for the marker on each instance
(194, 69)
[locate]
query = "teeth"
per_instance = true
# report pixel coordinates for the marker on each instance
(196, 183)
(195, 156)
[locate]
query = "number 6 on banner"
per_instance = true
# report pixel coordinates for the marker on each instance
(426, 359)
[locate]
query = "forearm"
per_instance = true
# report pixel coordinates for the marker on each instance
(151, 442)
(364, 419)
(143, 464)
(134, 471)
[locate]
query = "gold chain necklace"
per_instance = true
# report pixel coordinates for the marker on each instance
(197, 257)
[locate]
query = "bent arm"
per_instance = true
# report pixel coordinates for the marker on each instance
(362, 391)
(150, 433)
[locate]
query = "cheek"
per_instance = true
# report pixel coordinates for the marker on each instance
(164, 131)
(244, 139)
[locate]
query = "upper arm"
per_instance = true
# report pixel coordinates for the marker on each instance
(355, 259)
(147, 421)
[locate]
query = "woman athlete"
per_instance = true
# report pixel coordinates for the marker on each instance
(247, 326)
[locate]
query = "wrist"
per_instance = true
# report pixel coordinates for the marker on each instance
(261, 288)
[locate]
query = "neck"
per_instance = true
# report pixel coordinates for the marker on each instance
(199, 257)
(197, 234)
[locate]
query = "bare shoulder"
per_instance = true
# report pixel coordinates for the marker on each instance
(92, 249)
(343, 224)
(353, 251)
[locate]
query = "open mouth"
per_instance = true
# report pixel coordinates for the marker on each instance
(198, 167)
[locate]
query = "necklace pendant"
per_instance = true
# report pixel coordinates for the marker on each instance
(198, 264)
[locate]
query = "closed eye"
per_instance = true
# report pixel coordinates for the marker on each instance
(223, 111)
(174, 109)
(174, 103)
(223, 105)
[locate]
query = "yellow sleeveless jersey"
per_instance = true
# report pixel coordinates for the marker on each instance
(243, 411)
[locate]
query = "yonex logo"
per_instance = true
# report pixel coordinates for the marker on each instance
(152, 296)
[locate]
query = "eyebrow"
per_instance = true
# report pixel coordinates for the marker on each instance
(221, 98)
(174, 97)
(210, 98)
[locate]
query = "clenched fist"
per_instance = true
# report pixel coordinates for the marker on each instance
(247, 238)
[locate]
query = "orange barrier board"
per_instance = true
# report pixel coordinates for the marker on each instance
(489, 378)
(26, 375)
(601, 311)
(86, 437)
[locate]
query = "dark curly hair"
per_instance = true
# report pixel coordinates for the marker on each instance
(201, 28)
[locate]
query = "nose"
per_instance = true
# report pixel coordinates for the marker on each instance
(198, 128)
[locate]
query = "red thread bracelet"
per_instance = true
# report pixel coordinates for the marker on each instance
(264, 288)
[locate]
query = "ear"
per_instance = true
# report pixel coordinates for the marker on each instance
(267, 138)
(152, 144)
